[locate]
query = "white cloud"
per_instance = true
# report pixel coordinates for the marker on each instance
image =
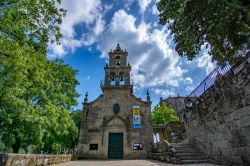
(155, 10)
(143, 5)
(85, 12)
(155, 64)
(205, 61)
(56, 50)
(153, 61)
(78, 11)
(188, 80)
(164, 93)
(106, 8)
(189, 88)
(188, 83)
(128, 4)
(91, 37)
(99, 26)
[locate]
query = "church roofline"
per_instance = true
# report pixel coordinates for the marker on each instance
(100, 96)
(118, 87)
(114, 52)
(118, 49)
(120, 68)
(140, 100)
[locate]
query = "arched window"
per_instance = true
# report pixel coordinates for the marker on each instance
(117, 61)
(112, 78)
(122, 78)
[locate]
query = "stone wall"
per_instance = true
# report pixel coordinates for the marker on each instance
(173, 132)
(219, 121)
(177, 103)
(163, 151)
(12, 159)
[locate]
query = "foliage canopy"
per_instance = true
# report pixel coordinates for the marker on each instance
(221, 25)
(36, 94)
(163, 114)
(30, 22)
(77, 117)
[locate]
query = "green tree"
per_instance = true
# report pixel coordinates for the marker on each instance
(77, 116)
(35, 102)
(221, 25)
(241, 4)
(36, 95)
(163, 114)
(29, 22)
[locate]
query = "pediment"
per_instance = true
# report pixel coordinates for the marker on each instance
(114, 121)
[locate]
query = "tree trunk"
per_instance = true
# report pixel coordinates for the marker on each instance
(16, 146)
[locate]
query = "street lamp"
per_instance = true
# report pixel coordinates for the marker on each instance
(189, 103)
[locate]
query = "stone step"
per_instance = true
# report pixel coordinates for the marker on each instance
(186, 150)
(193, 161)
(186, 154)
(180, 145)
(189, 154)
(193, 158)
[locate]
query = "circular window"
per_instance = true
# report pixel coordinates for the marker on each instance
(116, 108)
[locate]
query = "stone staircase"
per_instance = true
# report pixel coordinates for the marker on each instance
(179, 153)
(186, 154)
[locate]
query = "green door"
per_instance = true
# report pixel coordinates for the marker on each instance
(115, 146)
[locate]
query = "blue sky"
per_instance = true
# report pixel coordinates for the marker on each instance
(92, 27)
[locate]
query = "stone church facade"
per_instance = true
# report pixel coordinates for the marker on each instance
(116, 125)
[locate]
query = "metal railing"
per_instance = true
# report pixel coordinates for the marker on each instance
(209, 80)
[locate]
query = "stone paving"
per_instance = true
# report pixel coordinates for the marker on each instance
(122, 163)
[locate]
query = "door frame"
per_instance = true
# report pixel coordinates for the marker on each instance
(122, 144)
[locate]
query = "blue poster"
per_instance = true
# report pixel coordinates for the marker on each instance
(136, 117)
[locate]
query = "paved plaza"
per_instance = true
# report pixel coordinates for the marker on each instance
(122, 163)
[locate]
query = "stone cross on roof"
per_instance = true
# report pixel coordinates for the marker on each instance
(118, 48)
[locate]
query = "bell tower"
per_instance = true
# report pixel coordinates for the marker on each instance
(117, 71)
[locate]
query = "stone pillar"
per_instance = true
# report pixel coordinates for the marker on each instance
(83, 138)
(117, 80)
(127, 79)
